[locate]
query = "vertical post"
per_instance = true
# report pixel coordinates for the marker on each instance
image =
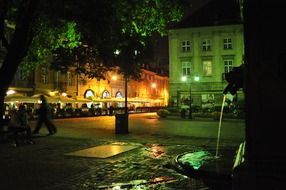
(126, 123)
(76, 84)
(185, 79)
(190, 106)
(77, 75)
(121, 120)
(178, 98)
(126, 103)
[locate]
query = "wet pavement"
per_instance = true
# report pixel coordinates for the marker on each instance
(103, 151)
(147, 163)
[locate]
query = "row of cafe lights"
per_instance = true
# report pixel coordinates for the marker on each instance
(10, 92)
(114, 77)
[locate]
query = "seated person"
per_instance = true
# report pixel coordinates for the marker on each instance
(19, 124)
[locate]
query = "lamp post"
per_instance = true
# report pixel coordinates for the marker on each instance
(153, 93)
(184, 79)
(126, 101)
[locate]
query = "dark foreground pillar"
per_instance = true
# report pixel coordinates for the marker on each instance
(265, 92)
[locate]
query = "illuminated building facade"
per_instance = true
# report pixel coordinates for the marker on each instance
(203, 47)
(151, 90)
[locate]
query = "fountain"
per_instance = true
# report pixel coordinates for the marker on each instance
(211, 168)
(219, 127)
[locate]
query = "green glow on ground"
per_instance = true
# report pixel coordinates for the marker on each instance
(196, 159)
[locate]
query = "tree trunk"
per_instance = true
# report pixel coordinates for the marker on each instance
(18, 47)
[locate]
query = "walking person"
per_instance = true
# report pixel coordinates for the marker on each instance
(19, 125)
(45, 117)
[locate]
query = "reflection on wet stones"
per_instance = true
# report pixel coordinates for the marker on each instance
(155, 150)
(140, 184)
(150, 163)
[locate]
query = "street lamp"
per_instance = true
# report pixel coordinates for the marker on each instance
(114, 77)
(184, 79)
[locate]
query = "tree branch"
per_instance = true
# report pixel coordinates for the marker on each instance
(3, 13)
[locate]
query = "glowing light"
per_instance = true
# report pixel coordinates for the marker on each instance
(114, 77)
(184, 78)
(9, 92)
(117, 52)
(52, 93)
(64, 94)
(197, 78)
(153, 85)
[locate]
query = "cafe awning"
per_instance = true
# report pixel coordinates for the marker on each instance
(19, 98)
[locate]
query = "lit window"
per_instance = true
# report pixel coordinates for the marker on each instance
(186, 68)
(44, 75)
(227, 43)
(69, 77)
(58, 78)
(89, 93)
(228, 64)
(118, 94)
(207, 98)
(207, 68)
(186, 46)
(206, 45)
(105, 94)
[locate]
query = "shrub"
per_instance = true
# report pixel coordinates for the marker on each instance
(163, 113)
(196, 108)
(240, 114)
(173, 109)
(216, 115)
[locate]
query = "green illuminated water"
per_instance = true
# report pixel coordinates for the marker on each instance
(196, 159)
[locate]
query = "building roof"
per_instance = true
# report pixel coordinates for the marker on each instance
(213, 13)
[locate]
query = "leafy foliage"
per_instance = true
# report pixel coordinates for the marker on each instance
(123, 26)
(86, 35)
(148, 16)
(163, 113)
(49, 40)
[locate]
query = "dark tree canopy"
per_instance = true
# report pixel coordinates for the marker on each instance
(95, 36)
(125, 27)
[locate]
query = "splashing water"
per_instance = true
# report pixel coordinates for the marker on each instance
(219, 126)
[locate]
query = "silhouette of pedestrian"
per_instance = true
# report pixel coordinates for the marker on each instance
(19, 124)
(111, 109)
(45, 117)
